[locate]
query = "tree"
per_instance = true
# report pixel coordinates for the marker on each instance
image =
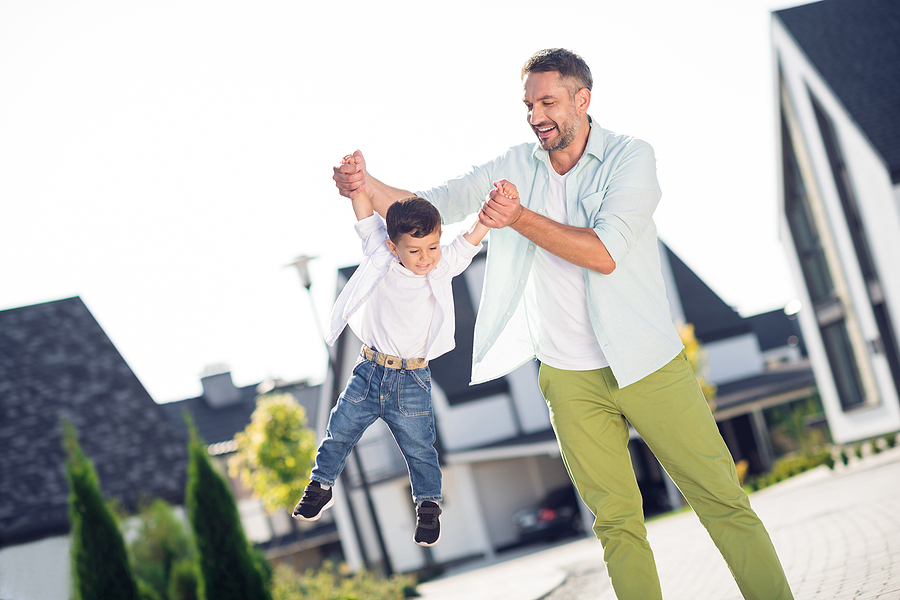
(99, 561)
(161, 551)
(226, 569)
(696, 356)
(276, 452)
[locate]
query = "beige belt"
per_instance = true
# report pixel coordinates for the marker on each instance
(392, 362)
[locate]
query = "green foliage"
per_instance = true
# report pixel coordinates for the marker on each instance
(789, 466)
(276, 452)
(858, 449)
(160, 543)
(890, 439)
(183, 581)
(333, 583)
(225, 566)
(873, 444)
(99, 561)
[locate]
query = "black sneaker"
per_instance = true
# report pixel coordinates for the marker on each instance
(428, 523)
(313, 502)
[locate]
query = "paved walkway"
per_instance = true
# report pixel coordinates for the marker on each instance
(837, 534)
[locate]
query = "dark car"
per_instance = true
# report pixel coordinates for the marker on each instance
(555, 516)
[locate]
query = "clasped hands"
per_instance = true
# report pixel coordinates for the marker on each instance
(501, 207)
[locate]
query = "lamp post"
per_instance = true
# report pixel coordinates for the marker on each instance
(300, 263)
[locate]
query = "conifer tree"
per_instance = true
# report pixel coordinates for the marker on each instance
(225, 567)
(99, 561)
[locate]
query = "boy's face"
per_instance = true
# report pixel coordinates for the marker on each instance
(418, 254)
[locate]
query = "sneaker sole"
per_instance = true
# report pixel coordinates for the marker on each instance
(427, 545)
(328, 505)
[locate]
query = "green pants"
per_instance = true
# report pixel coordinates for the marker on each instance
(668, 410)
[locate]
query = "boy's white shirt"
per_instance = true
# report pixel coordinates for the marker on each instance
(455, 257)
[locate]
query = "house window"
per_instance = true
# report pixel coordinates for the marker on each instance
(819, 283)
(857, 230)
(843, 364)
(803, 229)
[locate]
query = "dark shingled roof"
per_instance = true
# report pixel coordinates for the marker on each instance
(219, 424)
(712, 319)
(788, 378)
(775, 328)
(855, 46)
(56, 361)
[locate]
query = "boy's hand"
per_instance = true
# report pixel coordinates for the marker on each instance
(502, 207)
(350, 175)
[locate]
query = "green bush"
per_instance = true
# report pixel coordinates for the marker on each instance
(100, 566)
(844, 457)
(226, 567)
(890, 439)
(789, 466)
(858, 449)
(329, 583)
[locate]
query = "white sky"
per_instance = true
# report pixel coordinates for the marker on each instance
(165, 160)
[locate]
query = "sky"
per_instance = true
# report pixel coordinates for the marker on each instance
(165, 160)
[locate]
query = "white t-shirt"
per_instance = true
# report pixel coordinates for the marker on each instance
(566, 338)
(398, 315)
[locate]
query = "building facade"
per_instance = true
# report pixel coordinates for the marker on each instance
(837, 69)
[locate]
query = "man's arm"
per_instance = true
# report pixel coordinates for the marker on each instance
(352, 179)
(577, 245)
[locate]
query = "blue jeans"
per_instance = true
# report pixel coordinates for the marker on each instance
(402, 397)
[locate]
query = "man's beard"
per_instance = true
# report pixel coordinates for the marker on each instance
(567, 132)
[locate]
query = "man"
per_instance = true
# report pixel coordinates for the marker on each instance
(573, 278)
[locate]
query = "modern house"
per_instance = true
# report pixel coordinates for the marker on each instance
(57, 363)
(499, 453)
(837, 69)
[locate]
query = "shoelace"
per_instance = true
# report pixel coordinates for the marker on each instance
(428, 515)
(311, 495)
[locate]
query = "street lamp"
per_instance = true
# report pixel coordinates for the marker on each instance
(300, 263)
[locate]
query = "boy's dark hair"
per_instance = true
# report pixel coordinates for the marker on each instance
(415, 216)
(572, 69)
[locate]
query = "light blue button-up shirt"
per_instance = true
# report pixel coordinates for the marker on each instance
(613, 190)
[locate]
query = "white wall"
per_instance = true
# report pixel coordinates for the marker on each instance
(877, 199)
(36, 571)
(733, 358)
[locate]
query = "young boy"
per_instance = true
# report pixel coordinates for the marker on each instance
(399, 302)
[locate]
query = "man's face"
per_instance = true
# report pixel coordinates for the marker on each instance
(418, 254)
(551, 110)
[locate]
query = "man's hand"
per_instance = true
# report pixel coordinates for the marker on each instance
(350, 175)
(502, 208)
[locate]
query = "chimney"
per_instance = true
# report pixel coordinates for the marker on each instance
(218, 388)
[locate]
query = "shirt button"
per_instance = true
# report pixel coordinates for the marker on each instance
(521, 281)
(507, 314)
(531, 247)
(488, 343)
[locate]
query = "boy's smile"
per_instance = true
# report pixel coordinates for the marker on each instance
(418, 254)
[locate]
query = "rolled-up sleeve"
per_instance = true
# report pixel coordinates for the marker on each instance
(624, 210)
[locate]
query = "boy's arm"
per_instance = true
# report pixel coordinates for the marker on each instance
(362, 206)
(476, 233)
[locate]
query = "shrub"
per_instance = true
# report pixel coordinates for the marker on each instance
(226, 569)
(330, 583)
(873, 444)
(99, 561)
(890, 439)
(844, 457)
